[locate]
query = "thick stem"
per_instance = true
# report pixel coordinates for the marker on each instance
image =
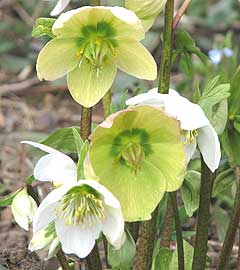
(167, 225)
(106, 102)
(173, 196)
(94, 260)
(133, 228)
(62, 260)
(232, 228)
(86, 122)
(180, 13)
(200, 250)
(166, 58)
(146, 243)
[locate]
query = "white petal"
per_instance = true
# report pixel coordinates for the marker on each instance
(53, 248)
(190, 150)
(46, 212)
(209, 146)
(42, 147)
(39, 241)
(56, 167)
(113, 226)
(215, 56)
(190, 115)
(108, 197)
(78, 240)
(61, 4)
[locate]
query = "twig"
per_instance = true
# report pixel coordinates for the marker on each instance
(200, 250)
(232, 228)
(180, 13)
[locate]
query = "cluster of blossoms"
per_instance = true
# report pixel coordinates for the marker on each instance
(137, 154)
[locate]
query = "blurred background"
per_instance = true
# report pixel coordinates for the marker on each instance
(30, 109)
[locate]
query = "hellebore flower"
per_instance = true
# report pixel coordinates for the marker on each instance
(216, 55)
(197, 129)
(80, 212)
(45, 239)
(60, 6)
(23, 209)
(146, 10)
(90, 44)
(138, 155)
(55, 166)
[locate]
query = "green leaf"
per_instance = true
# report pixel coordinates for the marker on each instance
(190, 191)
(188, 257)
(62, 139)
(30, 180)
(162, 259)
(122, 258)
(220, 116)
(234, 101)
(236, 125)
(78, 141)
(81, 158)
(223, 182)
(42, 27)
(8, 200)
(221, 219)
(186, 65)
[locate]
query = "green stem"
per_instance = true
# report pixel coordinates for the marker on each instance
(173, 196)
(232, 228)
(146, 243)
(167, 225)
(166, 58)
(86, 122)
(200, 250)
(106, 102)
(180, 13)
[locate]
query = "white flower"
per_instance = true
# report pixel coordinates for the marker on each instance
(80, 212)
(197, 129)
(60, 6)
(216, 55)
(55, 166)
(23, 209)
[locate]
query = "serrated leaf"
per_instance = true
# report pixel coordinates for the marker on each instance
(8, 200)
(62, 139)
(223, 181)
(190, 191)
(42, 27)
(123, 257)
(162, 259)
(188, 257)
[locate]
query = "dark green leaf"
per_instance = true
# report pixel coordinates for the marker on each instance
(42, 27)
(8, 200)
(234, 101)
(223, 182)
(162, 259)
(186, 65)
(220, 116)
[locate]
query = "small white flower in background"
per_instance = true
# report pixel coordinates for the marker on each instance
(80, 212)
(45, 239)
(197, 129)
(60, 6)
(216, 55)
(23, 209)
(55, 166)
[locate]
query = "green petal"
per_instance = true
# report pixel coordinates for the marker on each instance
(134, 59)
(162, 168)
(57, 58)
(88, 85)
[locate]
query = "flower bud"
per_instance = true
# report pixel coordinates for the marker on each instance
(146, 10)
(23, 209)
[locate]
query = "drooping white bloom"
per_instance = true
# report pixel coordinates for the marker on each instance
(23, 209)
(197, 129)
(80, 212)
(55, 166)
(60, 6)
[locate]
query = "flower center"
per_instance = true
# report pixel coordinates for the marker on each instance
(190, 136)
(81, 205)
(130, 147)
(96, 41)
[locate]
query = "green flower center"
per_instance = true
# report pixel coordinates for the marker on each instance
(96, 41)
(190, 136)
(130, 148)
(81, 205)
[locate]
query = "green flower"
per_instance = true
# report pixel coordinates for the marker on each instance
(90, 44)
(138, 155)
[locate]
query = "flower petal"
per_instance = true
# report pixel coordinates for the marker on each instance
(113, 226)
(57, 58)
(88, 84)
(190, 150)
(134, 59)
(56, 167)
(78, 240)
(61, 4)
(42, 147)
(46, 212)
(209, 146)
(215, 56)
